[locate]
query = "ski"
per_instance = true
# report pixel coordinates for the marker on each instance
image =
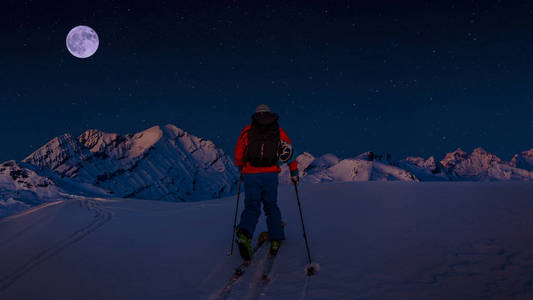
(267, 268)
(240, 270)
(262, 277)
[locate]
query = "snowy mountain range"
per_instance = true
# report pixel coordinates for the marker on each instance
(167, 163)
(160, 163)
(480, 165)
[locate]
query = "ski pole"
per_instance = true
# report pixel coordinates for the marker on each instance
(302, 219)
(235, 219)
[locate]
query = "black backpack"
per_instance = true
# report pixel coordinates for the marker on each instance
(263, 140)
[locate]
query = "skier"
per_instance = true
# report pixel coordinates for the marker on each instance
(261, 147)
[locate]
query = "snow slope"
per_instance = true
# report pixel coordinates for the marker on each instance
(374, 240)
(159, 163)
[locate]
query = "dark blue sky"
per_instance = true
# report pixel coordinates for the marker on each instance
(421, 78)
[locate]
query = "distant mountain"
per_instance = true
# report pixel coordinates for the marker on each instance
(458, 165)
(22, 187)
(329, 168)
(523, 160)
(160, 163)
(482, 165)
(474, 166)
(424, 169)
(303, 160)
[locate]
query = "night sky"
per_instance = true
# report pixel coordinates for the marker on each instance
(404, 77)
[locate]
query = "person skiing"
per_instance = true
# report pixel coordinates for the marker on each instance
(261, 147)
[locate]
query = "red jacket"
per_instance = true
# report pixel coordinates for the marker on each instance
(242, 144)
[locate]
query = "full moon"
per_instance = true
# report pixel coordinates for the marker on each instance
(82, 41)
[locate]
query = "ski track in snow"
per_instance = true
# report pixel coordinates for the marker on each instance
(305, 289)
(235, 290)
(29, 226)
(256, 286)
(259, 284)
(101, 216)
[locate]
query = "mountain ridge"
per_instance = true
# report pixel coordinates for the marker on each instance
(159, 163)
(169, 164)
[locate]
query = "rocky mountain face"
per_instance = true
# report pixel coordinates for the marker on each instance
(473, 166)
(424, 169)
(483, 165)
(523, 160)
(21, 187)
(159, 163)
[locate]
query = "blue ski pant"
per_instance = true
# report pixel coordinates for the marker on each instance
(262, 188)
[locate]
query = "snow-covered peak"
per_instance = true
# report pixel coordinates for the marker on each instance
(484, 158)
(61, 150)
(323, 162)
(482, 153)
(369, 155)
(201, 149)
(354, 169)
(424, 169)
(473, 166)
(173, 131)
(430, 163)
(304, 160)
(21, 187)
(17, 176)
(328, 159)
(452, 158)
(97, 141)
(416, 160)
(157, 163)
(145, 139)
(329, 168)
(120, 146)
(523, 160)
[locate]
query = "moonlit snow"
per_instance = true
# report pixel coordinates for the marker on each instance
(373, 240)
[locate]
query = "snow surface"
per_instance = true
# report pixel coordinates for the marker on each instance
(373, 240)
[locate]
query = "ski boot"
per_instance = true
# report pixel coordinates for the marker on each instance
(244, 241)
(261, 239)
(274, 248)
